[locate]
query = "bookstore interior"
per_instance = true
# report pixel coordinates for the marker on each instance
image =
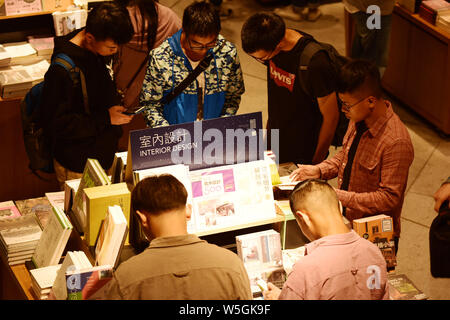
(67, 244)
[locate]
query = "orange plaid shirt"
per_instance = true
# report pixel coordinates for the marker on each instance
(380, 169)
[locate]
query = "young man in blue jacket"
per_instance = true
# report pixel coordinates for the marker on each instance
(215, 93)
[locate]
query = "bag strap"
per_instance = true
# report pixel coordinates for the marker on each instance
(191, 76)
(67, 63)
(311, 48)
(123, 91)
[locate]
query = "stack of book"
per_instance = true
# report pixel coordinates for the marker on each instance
(74, 260)
(43, 46)
(262, 258)
(19, 237)
(41, 207)
(8, 210)
(14, 83)
(443, 20)
(379, 229)
(5, 57)
(21, 53)
(42, 280)
(17, 80)
(429, 10)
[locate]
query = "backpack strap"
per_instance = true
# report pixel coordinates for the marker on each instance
(311, 48)
(67, 63)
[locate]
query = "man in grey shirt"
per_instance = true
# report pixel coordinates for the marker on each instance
(176, 265)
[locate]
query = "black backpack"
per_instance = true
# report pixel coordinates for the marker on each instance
(439, 237)
(37, 145)
(337, 60)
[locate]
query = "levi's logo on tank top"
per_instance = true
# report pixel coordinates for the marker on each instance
(282, 78)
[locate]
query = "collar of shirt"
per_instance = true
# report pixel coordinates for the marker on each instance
(175, 241)
(333, 240)
(375, 128)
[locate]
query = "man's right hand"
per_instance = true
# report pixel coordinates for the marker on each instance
(305, 172)
(117, 117)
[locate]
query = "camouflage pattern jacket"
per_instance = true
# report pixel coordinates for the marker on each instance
(168, 66)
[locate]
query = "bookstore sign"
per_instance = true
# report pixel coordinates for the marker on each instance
(200, 144)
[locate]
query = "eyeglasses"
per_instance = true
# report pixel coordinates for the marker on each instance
(201, 47)
(266, 58)
(349, 106)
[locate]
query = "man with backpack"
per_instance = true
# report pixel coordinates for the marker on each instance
(301, 79)
(81, 115)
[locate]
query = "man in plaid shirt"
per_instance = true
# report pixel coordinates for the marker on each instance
(372, 166)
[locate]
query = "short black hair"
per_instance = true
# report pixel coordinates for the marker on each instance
(305, 188)
(262, 31)
(202, 19)
(158, 194)
(111, 21)
(360, 76)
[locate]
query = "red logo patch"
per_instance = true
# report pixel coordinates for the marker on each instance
(281, 77)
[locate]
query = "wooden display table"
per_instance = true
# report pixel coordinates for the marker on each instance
(15, 281)
(418, 71)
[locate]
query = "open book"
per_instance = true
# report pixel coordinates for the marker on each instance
(262, 258)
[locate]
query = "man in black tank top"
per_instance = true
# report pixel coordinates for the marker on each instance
(307, 121)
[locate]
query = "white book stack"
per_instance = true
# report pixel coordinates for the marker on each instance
(14, 83)
(74, 260)
(53, 240)
(21, 53)
(43, 46)
(5, 57)
(18, 238)
(443, 20)
(42, 280)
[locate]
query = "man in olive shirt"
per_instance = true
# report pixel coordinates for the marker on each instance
(176, 265)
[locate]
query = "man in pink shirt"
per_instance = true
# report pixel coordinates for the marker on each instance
(372, 166)
(338, 263)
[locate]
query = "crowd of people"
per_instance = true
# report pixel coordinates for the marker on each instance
(153, 51)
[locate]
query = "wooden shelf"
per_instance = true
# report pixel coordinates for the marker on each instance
(26, 15)
(418, 70)
(422, 23)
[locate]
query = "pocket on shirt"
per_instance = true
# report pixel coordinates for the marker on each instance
(370, 170)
